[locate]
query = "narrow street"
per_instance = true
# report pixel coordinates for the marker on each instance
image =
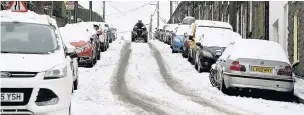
(138, 78)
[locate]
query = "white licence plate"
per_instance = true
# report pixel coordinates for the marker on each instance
(12, 97)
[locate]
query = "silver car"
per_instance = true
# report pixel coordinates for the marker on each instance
(254, 64)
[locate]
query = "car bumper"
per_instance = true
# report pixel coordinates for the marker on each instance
(61, 87)
(239, 81)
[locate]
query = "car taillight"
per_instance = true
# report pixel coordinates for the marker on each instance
(236, 66)
(286, 71)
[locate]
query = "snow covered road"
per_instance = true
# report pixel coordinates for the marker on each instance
(147, 79)
(197, 86)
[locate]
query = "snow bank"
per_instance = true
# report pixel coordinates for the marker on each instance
(198, 84)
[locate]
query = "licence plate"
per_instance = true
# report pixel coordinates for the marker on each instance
(262, 69)
(12, 97)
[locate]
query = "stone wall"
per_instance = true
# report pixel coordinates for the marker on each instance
(294, 7)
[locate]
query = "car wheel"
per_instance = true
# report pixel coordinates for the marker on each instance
(102, 48)
(200, 67)
(91, 63)
(98, 56)
(212, 78)
(110, 40)
(189, 57)
(75, 83)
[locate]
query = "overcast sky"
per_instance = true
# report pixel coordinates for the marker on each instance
(125, 21)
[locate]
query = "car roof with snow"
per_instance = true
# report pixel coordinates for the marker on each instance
(26, 17)
(209, 23)
(258, 49)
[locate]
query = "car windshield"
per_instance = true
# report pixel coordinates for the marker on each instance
(27, 38)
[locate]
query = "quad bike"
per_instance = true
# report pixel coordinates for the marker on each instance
(140, 34)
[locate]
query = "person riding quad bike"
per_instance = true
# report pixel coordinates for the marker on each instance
(140, 32)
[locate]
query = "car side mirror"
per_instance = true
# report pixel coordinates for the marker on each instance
(199, 44)
(71, 52)
(78, 50)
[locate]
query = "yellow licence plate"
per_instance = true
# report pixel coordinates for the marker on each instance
(262, 69)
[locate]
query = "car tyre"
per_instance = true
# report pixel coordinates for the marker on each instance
(98, 56)
(91, 63)
(75, 83)
(212, 78)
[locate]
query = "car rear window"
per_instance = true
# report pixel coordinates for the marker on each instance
(259, 49)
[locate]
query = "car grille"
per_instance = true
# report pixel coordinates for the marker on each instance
(16, 112)
(19, 74)
(27, 94)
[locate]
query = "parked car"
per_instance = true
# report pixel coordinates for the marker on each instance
(102, 35)
(211, 43)
(197, 28)
(83, 40)
(299, 81)
(169, 33)
(37, 76)
(110, 34)
(187, 21)
(254, 64)
(163, 33)
(177, 42)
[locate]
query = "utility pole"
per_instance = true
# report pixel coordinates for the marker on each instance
(157, 14)
(171, 12)
(150, 28)
(104, 11)
(90, 5)
(75, 11)
(52, 9)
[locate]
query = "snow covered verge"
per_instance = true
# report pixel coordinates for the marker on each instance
(94, 96)
(198, 85)
(145, 82)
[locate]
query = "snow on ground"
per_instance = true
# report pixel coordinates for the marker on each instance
(145, 81)
(188, 77)
(94, 96)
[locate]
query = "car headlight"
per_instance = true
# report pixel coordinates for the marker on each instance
(58, 71)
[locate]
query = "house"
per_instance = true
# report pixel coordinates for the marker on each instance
(296, 35)
(278, 23)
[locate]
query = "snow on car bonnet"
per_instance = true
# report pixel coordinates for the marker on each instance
(259, 49)
(183, 29)
(72, 33)
(216, 36)
(27, 17)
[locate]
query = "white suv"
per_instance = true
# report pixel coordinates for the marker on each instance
(36, 72)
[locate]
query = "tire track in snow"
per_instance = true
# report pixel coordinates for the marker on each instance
(119, 87)
(174, 84)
